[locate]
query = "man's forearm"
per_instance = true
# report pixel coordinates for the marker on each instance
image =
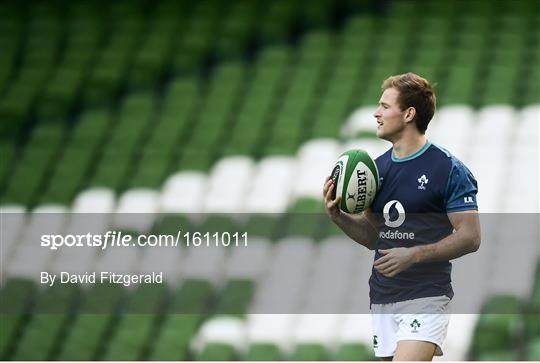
(455, 245)
(357, 228)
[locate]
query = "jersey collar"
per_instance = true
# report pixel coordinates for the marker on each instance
(414, 155)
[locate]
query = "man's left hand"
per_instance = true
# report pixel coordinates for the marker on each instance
(395, 260)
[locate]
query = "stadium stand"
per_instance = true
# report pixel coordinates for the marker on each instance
(236, 107)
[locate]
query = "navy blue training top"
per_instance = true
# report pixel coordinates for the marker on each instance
(415, 194)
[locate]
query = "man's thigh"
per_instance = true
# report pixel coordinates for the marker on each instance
(414, 350)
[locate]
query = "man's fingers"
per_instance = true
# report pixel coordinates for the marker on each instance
(382, 260)
(328, 195)
(326, 186)
(328, 198)
(384, 266)
(391, 273)
(335, 202)
(388, 271)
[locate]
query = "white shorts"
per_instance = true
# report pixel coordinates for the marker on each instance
(399, 321)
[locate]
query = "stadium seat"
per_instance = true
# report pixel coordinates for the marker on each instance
(227, 331)
(316, 329)
(493, 125)
(182, 320)
(533, 350)
(14, 219)
(360, 122)
(320, 153)
(183, 193)
(249, 262)
(135, 327)
(205, 263)
(85, 337)
(262, 225)
(497, 329)
(270, 188)
(263, 352)
(355, 329)
(449, 128)
(228, 197)
(282, 288)
(97, 200)
(309, 352)
(136, 210)
(459, 336)
(274, 329)
(331, 282)
(30, 259)
(47, 325)
(374, 147)
(16, 295)
(118, 260)
(166, 259)
(353, 352)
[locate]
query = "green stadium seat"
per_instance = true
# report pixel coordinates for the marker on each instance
(172, 223)
(135, 326)
(263, 352)
(15, 297)
(7, 150)
(52, 314)
(353, 352)
(498, 356)
(533, 350)
(262, 225)
(307, 205)
(217, 352)
(193, 159)
(218, 223)
(153, 57)
(172, 343)
(60, 94)
(498, 326)
(235, 298)
(182, 320)
(460, 86)
(86, 336)
(280, 16)
(309, 352)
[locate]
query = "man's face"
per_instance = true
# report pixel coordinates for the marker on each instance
(390, 119)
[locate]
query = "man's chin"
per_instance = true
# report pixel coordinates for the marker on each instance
(381, 134)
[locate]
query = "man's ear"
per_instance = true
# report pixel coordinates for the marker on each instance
(410, 113)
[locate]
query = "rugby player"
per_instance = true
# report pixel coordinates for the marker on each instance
(423, 216)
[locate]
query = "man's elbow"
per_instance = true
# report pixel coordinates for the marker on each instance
(474, 242)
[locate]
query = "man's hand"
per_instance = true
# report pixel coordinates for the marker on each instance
(357, 226)
(395, 260)
(331, 205)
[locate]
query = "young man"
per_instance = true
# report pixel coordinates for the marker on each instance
(424, 215)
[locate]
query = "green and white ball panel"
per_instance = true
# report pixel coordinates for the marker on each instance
(356, 178)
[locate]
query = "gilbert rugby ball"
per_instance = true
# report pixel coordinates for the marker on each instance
(356, 180)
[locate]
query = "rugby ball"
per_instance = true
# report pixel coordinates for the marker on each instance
(356, 180)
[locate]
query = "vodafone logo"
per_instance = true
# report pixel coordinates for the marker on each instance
(386, 214)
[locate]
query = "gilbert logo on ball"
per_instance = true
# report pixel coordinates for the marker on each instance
(356, 180)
